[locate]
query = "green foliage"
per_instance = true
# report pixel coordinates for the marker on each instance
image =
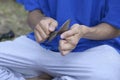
(13, 16)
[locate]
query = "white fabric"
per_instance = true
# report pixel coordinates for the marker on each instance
(24, 58)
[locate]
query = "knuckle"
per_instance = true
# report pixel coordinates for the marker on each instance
(82, 26)
(48, 19)
(45, 37)
(39, 40)
(74, 43)
(53, 24)
(76, 25)
(65, 34)
(42, 22)
(48, 33)
(62, 48)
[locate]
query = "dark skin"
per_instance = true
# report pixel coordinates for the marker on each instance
(43, 26)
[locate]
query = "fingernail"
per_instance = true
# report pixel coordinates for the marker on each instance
(51, 28)
(62, 37)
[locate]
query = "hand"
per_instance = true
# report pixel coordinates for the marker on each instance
(45, 26)
(71, 38)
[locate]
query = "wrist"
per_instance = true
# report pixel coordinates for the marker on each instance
(34, 18)
(86, 31)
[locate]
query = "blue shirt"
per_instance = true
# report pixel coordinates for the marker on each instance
(84, 12)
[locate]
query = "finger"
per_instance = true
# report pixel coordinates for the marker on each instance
(73, 40)
(67, 47)
(53, 25)
(44, 24)
(68, 33)
(65, 52)
(37, 36)
(61, 43)
(64, 45)
(74, 30)
(41, 32)
(48, 25)
(74, 26)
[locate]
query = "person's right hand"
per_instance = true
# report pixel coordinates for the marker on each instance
(43, 29)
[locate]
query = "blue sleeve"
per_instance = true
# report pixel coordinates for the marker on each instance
(112, 16)
(29, 5)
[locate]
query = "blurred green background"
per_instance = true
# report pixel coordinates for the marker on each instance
(13, 16)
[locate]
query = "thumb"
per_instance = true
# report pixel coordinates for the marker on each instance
(53, 26)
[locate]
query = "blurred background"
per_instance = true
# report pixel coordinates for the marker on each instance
(12, 17)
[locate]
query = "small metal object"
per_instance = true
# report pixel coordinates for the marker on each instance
(63, 28)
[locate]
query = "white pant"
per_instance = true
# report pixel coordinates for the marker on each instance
(24, 58)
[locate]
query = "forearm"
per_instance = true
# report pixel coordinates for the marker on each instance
(34, 18)
(102, 31)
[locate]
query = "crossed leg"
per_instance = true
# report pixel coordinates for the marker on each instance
(19, 59)
(99, 63)
(24, 58)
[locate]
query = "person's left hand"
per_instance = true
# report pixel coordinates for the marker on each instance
(71, 38)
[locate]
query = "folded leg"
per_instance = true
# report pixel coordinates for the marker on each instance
(99, 63)
(19, 58)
